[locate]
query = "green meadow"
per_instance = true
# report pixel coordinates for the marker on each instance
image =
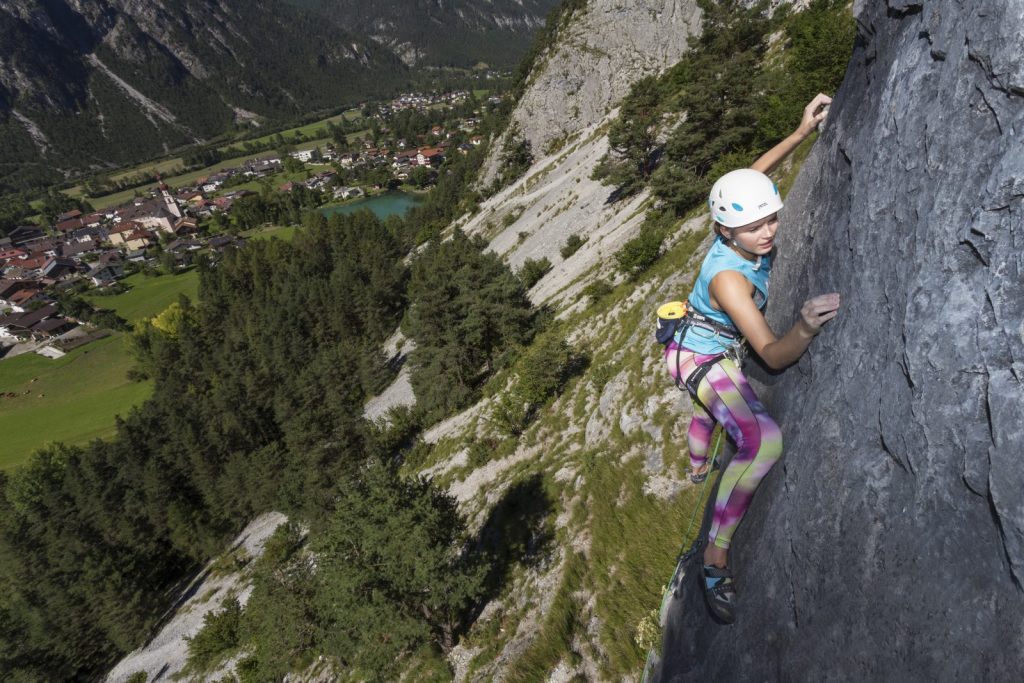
(175, 164)
(149, 295)
(73, 399)
(317, 128)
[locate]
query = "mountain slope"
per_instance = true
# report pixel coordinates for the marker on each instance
(438, 33)
(95, 82)
(604, 49)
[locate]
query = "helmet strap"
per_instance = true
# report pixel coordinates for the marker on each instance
(736, 247)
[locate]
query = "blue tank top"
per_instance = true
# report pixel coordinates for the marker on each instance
(720, 257)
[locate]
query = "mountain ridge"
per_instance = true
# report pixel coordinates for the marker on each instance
(93, 84)
(433, 33)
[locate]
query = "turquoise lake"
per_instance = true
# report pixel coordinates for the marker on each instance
(384, 205)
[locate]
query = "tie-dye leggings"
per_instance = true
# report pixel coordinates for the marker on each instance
(733, 403)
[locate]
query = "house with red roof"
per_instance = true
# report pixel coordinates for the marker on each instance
(429, 156)
(69, 225)
(23, 297)
(140, 239)
(119, 235)
(33, 262)
(10, 287)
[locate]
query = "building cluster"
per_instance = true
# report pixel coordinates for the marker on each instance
(400, 156)
(99, 247)
(102, 246)
(416, 100)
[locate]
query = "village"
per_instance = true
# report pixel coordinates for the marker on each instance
(165, 229)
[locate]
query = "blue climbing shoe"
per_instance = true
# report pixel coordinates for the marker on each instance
(720, 593)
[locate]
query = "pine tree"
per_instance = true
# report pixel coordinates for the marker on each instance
(466, 307)
(392, 572)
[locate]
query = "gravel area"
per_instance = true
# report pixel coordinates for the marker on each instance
(166, 653)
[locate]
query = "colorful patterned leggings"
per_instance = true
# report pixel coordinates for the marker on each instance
(733, 404)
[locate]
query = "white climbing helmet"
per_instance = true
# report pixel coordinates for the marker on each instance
(743, 196)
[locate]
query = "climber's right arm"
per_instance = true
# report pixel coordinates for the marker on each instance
(731, 291)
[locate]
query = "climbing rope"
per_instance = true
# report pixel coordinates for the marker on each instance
(672, 587)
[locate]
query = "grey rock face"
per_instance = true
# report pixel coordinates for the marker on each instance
(888, 544)
(596, 59)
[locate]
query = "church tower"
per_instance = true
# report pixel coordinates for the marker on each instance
(169, 203)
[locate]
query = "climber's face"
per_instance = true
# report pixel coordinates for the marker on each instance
(757, 237)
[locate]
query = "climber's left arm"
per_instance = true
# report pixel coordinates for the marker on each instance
(814, 113)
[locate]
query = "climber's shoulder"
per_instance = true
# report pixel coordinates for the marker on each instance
(729, 287)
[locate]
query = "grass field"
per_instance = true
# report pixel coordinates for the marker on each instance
(315, 128)
(170, 165)
(149, 295)
(73, 399)
(283, 232)
(189, 178)
(163, 167)
(117, 198)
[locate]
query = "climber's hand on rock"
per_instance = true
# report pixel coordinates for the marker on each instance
(817, 311)
(814, 113)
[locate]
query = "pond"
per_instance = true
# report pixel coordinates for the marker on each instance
(383, 205)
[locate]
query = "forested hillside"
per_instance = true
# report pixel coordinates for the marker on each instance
(106, 82)
(275, 361)
(461, 33)
(91, 84)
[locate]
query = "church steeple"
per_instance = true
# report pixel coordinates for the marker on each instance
(169, 203)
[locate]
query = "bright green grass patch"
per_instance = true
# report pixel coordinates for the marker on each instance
(283, 232)
(149, 295)
(74, 399)
(118, 198)
(174, 165)
(185, 179)
(316, 128)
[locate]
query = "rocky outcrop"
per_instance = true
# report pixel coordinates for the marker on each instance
(569, 101)
(603, 48)
(596, 58)
(223, 578)
(889, 542)
(533, 218)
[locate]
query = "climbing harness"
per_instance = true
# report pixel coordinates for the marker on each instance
(674, 319)
(692, 382)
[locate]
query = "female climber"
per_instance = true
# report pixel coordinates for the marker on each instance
(725, 307)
